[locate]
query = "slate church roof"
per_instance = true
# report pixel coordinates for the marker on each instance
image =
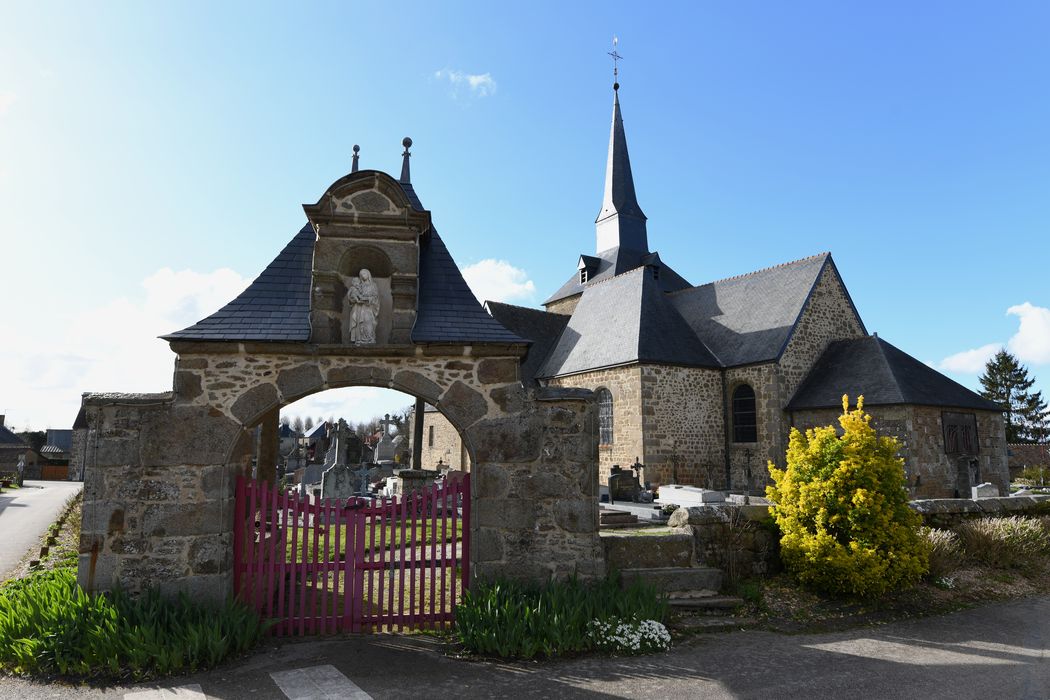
(276, 306)
(885, 375)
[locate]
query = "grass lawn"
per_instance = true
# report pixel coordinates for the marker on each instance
(386, 537)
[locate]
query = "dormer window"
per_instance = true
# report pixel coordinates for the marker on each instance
(656, 272)
(583, 276)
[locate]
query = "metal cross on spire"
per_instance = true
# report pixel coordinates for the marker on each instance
(616, 60)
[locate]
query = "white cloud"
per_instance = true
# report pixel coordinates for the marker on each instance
(498, 280)
(1031, 342)
(479, 84)
(970, 361)
(7, 98)
(109, 348)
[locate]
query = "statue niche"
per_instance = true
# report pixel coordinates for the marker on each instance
(367, 304)
(364, 308)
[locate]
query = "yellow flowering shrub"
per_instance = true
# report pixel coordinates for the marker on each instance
(842, 509)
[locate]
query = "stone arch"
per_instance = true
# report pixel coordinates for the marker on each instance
(159, 480)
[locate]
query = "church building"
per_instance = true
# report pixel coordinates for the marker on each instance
(702, 383)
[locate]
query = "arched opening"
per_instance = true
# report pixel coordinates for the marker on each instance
(363, 526)
(372, 430)
(745, 416)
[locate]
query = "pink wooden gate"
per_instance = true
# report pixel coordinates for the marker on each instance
(359, 565)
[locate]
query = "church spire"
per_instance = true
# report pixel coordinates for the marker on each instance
(620, 221)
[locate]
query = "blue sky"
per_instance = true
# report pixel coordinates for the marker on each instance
(153, 159)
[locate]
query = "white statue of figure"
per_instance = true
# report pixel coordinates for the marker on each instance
(364, 308)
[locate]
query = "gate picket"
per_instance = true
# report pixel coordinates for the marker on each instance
(290, 550)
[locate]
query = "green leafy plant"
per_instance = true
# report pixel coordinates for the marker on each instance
(1004, 542)
(842, 508)
(49, 625)
(516, 620)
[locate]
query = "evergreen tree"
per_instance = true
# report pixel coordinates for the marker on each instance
(1006, 382)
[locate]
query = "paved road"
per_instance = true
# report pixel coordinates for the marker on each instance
(998, 651)
(25, 515)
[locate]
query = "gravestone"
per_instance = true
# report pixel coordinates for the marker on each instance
(385, 448)
(689, 495)
(984, 490)
(338, 480)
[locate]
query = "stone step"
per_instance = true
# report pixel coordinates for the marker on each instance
(615, 517)
(648, 551)
(636, 525)
(678, 579)
(712, 604)
(697, 624)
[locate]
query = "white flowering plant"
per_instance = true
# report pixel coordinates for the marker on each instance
(618, 636)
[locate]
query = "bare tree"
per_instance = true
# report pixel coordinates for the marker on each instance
(309, 424)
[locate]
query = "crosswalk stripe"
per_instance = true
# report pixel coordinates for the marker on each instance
(318, 683)
(183, 692)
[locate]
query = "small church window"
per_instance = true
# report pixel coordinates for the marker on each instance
(745, 423)
(430, 436)
(605, 417)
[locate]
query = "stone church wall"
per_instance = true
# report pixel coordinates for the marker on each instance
(441, 443)
(564, 306)
(930, 473)
(624, 383)
(771, 443)
(828, 316)
(683, 425)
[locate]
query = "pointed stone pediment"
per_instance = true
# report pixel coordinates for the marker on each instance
(365, 272)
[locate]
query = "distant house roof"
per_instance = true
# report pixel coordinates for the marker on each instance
(8, 440)
(286, 431)
(276, 306)
(625, 319)
(60, 438)
(319, 431)
(541, 328)
(884, 375)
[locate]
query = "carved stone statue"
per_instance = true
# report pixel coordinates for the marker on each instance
(364, 308)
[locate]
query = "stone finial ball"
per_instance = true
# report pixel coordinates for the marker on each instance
(406, 142)
(357, 148)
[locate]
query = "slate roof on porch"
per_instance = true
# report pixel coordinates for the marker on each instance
(276, 306)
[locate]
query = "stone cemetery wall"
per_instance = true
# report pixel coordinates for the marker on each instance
(738, 539)
(948, 512)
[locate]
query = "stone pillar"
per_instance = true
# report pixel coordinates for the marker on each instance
(268, 441)
(417, 434)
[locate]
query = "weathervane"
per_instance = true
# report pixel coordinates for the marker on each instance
(616, 58)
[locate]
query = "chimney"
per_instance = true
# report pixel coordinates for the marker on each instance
(2, 420)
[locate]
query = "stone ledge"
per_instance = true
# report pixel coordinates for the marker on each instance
(105, 398)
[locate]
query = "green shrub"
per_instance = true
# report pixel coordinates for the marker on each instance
(49, 625)
(516, 620)
(1004, 542)
(842, 509)
(1035, 476)
(945, 551)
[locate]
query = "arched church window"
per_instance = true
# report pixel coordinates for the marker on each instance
(745, 418)
(605, 417)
